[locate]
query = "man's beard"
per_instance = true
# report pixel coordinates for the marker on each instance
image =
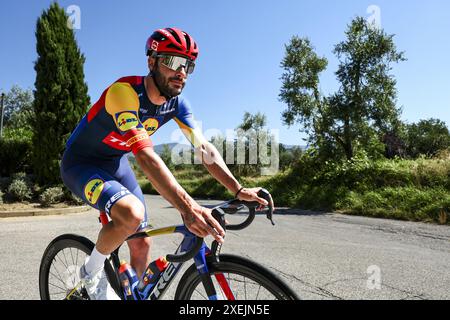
(163, 84)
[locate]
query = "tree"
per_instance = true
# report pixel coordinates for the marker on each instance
(289, 156)
(166, 156)
(61, 97)
(363, 109)
(18, 106)
(427, 137)
(256, 122)
(16, 142)
(300, 90)
(253, 139)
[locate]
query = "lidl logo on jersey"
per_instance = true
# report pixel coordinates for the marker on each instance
(151, 125)
(93, 190)
(127, 121)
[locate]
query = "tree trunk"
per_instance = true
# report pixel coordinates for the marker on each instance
(348, 147)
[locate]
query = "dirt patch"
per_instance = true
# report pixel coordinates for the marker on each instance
(31, 206)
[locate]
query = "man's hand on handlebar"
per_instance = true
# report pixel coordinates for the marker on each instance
(251, 194)
(201, 223)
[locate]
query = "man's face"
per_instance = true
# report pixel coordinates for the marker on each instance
(170, 82)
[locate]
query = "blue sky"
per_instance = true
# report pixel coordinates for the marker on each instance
(241, 47)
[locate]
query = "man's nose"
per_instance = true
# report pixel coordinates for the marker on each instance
(181, 72)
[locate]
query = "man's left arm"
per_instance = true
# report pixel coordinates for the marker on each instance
(211, 158)
(214, 163)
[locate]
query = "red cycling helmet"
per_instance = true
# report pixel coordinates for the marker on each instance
(172, 40)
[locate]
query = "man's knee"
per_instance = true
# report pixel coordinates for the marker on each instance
(140, 245)
(128, 213)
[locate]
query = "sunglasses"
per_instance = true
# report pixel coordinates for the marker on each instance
(175, 63)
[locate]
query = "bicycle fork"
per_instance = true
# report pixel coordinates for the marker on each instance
(206, 277)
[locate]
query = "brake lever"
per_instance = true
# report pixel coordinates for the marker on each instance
(263, 193)
(219, 215)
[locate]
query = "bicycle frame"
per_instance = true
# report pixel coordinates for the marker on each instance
(162, 283)
(190, 241)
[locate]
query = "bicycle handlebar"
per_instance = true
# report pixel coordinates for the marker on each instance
(178, 258)
(219, 211)
(234, 206)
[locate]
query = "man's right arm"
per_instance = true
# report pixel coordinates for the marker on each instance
(197, 219)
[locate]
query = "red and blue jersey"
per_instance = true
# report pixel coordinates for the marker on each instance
(94, 166)
(124, 118)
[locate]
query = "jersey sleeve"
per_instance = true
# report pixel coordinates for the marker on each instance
(187, 124)
(122, 103)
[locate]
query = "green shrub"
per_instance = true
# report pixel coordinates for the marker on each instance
(417, 190)
(51, 196)
(407, 203)
(75, 200)
(20, 190)
(147, 187)
(15, 151)
(70, 197)
(1, 197)
(20, 176)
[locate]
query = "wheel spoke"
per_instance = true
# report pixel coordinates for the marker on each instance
(65, 258)
(245, 288)
(57, 276)
(257, 294)
(54, 285)
(200, 293)
(243, 280)
(60, 260)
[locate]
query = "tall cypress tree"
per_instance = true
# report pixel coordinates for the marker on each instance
(61, 97)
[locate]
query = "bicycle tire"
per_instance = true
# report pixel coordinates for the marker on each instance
(69, 241)
(236, 265)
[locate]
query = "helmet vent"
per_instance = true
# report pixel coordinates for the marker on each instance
(172, 46)
(175, 35)
(188, 44)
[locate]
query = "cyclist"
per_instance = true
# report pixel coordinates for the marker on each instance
(95, 165)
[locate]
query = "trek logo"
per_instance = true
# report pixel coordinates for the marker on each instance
(166, 277)
(114, 198)
(127, 121)
(114, 140)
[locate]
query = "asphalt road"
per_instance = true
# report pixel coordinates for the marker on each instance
(322, 256)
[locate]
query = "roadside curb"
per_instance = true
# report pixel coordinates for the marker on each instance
(43, 212)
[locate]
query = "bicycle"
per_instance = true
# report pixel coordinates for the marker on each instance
(213, 275)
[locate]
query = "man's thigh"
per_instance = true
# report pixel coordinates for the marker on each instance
(98, 188)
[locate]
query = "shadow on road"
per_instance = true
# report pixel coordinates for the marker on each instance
(300, 212)
(285, 211)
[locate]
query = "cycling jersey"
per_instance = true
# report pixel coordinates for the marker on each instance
(94, 165)
(123, 119)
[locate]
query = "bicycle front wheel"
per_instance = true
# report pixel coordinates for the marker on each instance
(60, 265)
(235, 278)
(58, 273)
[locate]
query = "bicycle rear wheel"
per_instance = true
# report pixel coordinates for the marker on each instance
(235, 278)
(60, 265)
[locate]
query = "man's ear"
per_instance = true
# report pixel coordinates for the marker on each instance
(151, 63)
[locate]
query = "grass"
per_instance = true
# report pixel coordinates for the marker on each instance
(413, 190)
